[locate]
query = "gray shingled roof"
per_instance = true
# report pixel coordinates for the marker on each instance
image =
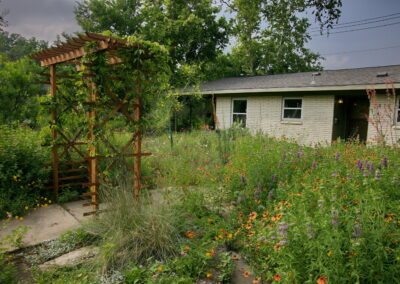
(328, 78)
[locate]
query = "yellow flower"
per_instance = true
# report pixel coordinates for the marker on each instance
(26, 207)
(49, 201)
(21, 218)
(160, 268)
(329, 253)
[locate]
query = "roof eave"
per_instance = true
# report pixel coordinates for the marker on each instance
(302, 89)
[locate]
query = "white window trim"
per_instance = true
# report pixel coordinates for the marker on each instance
(396, 111)
(301, 109)
(233, 113)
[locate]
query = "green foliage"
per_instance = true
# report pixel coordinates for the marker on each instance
(8, 272)
(62, 275)
(21, 170)
(19, 91)
(14, 46)
(300, 213)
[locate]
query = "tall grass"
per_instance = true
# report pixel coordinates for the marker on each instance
(134, 231)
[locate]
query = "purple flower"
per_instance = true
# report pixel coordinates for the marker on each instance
(154, 276)
(314, 165)
(385, 162)
(334, 174)
(274, 178)
(257, 194)
(259, 186)
(282, 233)
(280, 165)
(377, 175)
(366, 174)
(243, 179)
(311, 235)
(309, 228)
(334, 221)
(357, 230)
(283, 242)
(271, 193)
(337, 156)
(283, 226)
(360, 165)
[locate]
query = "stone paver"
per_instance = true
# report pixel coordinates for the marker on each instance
(72, 258)
(44, 224)
(76, 209)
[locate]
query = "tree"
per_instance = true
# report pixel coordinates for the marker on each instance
(14, 46)
(191, 29)
(18, 89)
(3, 21)
(272, 35)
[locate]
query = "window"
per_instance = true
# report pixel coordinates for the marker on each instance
(292, 108)
(239, 113)
(397, 109)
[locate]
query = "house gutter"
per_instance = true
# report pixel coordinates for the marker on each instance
(303, 89)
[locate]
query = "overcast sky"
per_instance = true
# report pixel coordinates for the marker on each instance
(45, 19)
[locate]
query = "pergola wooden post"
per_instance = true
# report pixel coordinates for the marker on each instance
(54, 152)
(84, 170)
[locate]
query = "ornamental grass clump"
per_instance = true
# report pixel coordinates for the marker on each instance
(134, 231)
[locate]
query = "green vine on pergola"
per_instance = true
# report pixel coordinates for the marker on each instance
(113, 79)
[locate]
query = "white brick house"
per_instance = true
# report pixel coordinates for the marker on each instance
(313, 107)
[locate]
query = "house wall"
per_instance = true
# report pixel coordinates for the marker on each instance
(384, 122)
(264, 113)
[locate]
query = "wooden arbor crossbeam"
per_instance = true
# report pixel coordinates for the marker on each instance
(71, 52)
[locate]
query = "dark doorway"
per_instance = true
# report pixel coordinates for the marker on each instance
(351, 118)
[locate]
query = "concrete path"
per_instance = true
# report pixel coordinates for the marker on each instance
(47, 223)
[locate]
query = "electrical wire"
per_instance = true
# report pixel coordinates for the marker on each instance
(362, 24)
(359, 21)
(361, 50)
(354, 30)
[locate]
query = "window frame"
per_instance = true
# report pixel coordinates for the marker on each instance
(397, 111)
(239, 113)
(295, 108)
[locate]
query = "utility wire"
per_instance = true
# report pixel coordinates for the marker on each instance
(354, 30)
(361, 50)
(360, 21)
(361, 24)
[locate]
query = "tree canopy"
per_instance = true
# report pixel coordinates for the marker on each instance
(212, 39)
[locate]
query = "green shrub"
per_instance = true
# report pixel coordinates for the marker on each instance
(21, 170)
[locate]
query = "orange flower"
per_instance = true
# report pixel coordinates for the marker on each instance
(209, 275)
(248, 226)
(322, 280)
(190, 234)
(251, 233)
(235, 257)
(277, 277)
(229, 236)
(299, 194)
(246, 274)
(277, 246)
(257, 280)
(210, 220)
(219, 237)
(186, 248)
(211, 253)
(253, 215)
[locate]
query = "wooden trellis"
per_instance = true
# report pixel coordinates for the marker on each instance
(81, 168)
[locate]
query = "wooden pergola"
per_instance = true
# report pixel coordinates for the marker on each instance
(75, 156)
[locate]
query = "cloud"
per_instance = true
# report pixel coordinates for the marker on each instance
(42, 19)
